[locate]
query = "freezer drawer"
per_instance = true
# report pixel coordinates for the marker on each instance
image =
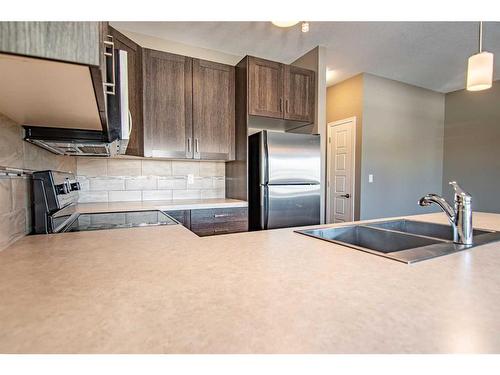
(290, 205)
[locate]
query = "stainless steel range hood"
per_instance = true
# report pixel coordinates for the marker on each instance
(56, 104)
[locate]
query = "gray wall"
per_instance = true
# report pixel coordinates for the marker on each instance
(403, 128)
(315, 60)
(472, 146)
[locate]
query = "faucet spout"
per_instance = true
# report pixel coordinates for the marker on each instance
(460, 216)
(441, 202)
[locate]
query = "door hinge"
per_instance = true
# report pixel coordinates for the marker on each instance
(329, 139)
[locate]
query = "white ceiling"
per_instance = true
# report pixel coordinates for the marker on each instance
(432, 55)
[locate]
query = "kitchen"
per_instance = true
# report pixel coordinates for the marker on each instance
(159, 197)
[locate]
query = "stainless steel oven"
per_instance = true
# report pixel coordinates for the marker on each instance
(55, 195)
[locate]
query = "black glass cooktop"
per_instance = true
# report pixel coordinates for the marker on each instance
(115, 220)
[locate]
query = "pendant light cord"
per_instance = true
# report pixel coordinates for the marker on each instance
(480, 36)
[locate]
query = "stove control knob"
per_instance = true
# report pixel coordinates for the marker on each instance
(75, 186)
(62, 189)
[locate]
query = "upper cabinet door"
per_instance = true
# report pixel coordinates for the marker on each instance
(134, 65)
(213, 110)
(167, 89)
(77, 42)
(265, 88)
(299, 94)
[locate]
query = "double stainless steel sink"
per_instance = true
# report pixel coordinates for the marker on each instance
(406, 241)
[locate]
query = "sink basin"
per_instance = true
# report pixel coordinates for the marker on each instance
(441, 231)
(365, 237)
(403, 240)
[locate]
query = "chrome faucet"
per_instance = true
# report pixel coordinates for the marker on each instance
(460, 216)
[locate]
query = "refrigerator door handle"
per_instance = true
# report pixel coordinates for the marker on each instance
(264, 206)
(265, 159)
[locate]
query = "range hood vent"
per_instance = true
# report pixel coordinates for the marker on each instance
(57, 106)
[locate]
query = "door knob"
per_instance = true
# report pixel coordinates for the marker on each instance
(345, 196)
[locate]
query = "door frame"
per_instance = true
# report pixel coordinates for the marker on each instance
(329, 161)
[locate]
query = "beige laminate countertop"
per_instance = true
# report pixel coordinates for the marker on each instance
(165, 290)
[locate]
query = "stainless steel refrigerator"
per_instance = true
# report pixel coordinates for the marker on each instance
(284, 180)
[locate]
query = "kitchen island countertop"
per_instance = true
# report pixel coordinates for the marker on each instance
(165, 290)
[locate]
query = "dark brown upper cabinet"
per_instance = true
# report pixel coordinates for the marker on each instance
(76, 42)
(188, 107)
(213, 110)
(280, 91)
(265, 88)
(134, 65)
(299, 94)
(167, 95)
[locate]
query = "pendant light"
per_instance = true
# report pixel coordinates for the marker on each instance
(284, 23)
(304, 25)
(480, 67)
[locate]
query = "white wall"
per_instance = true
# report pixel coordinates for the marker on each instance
(160, 44)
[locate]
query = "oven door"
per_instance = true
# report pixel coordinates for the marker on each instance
(116, 220)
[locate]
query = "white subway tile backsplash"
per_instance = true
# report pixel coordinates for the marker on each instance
(92, 196)
(141, 183)
(136, 180)
(212, 193)
(5, 229)
(21, 193)
(18, 224)
(92, 167)
(186, 194)
(156, 195)
(219, 183)
(106, 183)
(201, 183)
(183, 168)
(172, 182)
(125, 196)
(212, 169)
(124, 167)
(156, 168)
(5, 195)
(84, 183)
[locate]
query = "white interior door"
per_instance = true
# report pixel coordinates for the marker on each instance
(341, 154)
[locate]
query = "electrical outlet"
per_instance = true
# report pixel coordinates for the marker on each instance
(190, 179)
(370, 178)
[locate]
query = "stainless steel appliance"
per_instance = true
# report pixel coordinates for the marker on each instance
(55, 194)
(112, 140)
(284, 180)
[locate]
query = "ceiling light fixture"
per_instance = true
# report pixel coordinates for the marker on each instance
(480, 67)
(305, 27)
(284, 23)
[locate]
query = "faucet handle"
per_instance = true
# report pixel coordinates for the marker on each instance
(459, 192)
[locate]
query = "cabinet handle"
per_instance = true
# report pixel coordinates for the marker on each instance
(109, 87)
(189, 146)
(221, 215)
(197, 148)
(286, 106)
(281, 104)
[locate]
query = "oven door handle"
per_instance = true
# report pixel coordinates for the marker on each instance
(67, 223)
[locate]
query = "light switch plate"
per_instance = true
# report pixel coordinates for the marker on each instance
(370, 178)
(190, 179)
